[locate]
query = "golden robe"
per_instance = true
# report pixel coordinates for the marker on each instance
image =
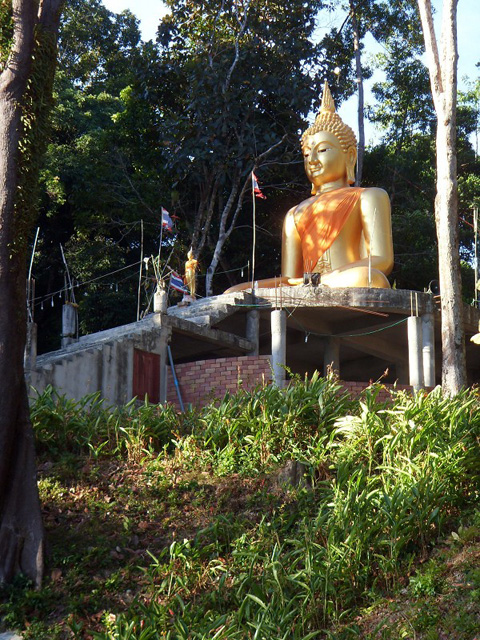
(321, 222)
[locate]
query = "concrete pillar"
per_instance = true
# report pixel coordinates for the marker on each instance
(331, 356)
(30, 355)
(253, 330)
(165, 338)
(415, 352)
(160, 300)
(428, 349)
(279, 345)
(127, 359)
(69, 324)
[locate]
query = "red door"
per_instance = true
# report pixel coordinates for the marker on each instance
(146, 375)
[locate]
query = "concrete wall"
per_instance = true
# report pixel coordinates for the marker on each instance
(103, 362)
(107, 369)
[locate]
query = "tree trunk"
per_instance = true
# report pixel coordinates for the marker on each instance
(21, 530)
(446, 218)
(225, 229)
(23, 99)
(442, 64)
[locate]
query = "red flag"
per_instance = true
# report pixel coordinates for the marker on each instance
(167, 221)
(256, 188)
(176, 282)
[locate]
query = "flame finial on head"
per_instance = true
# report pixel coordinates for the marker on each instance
(328, 105)
(329, 120)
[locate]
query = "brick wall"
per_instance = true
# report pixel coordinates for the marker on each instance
(356, 388)
(204, 380)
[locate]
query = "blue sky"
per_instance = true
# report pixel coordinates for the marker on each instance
(149, 12)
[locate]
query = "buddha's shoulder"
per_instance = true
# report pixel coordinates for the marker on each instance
(295, 213)
(374, 195)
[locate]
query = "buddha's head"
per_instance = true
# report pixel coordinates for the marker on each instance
(331, 144)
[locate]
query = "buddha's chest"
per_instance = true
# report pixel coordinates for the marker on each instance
(326, 247)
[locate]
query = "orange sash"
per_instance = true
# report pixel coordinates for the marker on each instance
(321, 222)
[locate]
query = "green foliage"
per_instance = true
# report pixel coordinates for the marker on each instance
(97, 47)
(395, 474)
(6, 30)
(427, 582)
(102, 173)
(385, 481)
(63, 426)
(250, 431)
(404, 164)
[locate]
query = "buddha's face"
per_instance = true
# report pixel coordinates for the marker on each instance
(325, 160)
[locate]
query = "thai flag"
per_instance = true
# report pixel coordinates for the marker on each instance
(167, 221)
(256, 188)
(176, 282)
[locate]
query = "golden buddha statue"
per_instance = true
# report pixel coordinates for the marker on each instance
(341, 233)
(190, 278)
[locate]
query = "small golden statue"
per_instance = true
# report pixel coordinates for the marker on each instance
(190, 278)
(342, 234)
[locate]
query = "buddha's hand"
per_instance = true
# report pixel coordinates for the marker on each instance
(295, 281)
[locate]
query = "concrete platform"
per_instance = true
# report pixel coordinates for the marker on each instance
(364, 332)
(369, 327)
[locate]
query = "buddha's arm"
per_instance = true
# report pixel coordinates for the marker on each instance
(292, 258)
(377, 229)
(377, 232)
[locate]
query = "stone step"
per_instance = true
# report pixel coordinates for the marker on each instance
(205, 321)
(216, 308)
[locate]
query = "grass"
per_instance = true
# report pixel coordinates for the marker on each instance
(176, 527)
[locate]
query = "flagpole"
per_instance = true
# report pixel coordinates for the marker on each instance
(160, 243)
(475, 262)
(254, 235)
(140, 274)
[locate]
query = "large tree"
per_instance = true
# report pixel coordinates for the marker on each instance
(233, 84)
(442, 60)
(27, 58)
(387, 22)
(403, 163)
(102, 173)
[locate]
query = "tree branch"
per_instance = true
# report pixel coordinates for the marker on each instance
(449, 52)
(14, 74)
(431, 49)
(209, 216)
(212, 39)
(247, 182)
(243, 26)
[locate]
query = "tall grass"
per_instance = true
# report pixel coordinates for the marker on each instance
(90, 426)
(385, 482)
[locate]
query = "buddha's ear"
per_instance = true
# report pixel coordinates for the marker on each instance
(351, 163)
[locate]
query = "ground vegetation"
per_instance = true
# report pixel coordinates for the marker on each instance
(188, 525)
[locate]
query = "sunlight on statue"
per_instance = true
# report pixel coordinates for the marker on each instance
(190, 278)
(341, 236)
